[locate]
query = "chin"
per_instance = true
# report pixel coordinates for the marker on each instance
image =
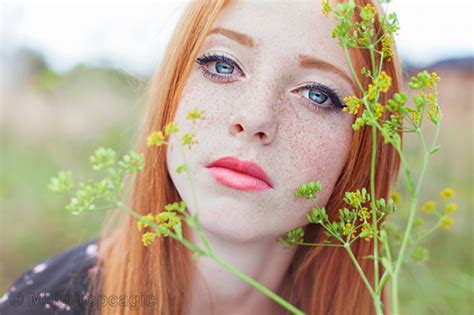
(229, 229)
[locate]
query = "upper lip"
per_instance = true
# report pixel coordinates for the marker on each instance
(245, 167)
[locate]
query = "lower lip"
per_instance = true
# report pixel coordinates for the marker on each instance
(237, 180)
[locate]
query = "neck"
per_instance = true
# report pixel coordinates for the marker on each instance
(217, 290)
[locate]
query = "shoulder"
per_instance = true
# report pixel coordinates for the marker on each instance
(58, 283)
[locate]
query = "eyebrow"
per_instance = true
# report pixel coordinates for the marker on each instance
(309, 62)
(241, 38)
(305, 61)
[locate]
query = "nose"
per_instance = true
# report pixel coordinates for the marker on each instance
(255, 124)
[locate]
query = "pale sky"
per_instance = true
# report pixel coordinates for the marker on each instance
(132, 35)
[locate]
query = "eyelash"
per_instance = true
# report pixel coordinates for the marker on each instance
(331, 93)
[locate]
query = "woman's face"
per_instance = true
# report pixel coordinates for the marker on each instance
(259, 108)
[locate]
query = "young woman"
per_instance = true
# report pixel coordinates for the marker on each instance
(271, 81)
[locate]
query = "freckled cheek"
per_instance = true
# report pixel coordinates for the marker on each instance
(325, 149)
(198, 93)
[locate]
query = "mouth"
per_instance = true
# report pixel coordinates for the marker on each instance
(238, 174)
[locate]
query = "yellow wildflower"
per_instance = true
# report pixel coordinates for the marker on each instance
(364, 214)
(156, 138)
(188, 139)
(446, 222)
(397, 198)
(145, 221)
(432, 80)
(416, 117)
(447, 193)
(368, 232)
(171, 127)
(353, 105)
(371, 91)
(148, 238)
(370, 9)
(379, 110)
(428, 207)
(383, 81)
(348, 230)
(195, 114)
(451, 207)
(326, 8)
(387, 43)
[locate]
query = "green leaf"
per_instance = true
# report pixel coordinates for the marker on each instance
(435, 149)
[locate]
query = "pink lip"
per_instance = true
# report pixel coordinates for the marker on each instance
(243, 175)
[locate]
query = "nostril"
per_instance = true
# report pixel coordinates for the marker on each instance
(237, 128)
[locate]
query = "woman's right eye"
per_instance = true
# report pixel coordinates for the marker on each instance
(223, 68)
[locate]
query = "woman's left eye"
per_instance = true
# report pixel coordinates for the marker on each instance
(223, 69)
(321, 97)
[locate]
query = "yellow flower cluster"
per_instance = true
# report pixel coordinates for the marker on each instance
(433, 113)
(172, 127)
(348, 230)
(195, 114)
(415, 116)
(378, 110)
(431, 82)
(371, 91)
(446, 222)
(148, 238)
(156, 138)
(369, 10)
(356, 198)
(169, 220)
(353, 105)
(429, 206)
(396, 197)
(325, 8)
(188, 139)
(387, 44)
(145, 221)
(447, 193)
(451, 207)
(383, 82)
(365, 230)
(364, 214)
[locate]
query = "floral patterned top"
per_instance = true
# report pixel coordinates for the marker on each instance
(58, 285)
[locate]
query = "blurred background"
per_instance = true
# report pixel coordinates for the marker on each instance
(73, 78)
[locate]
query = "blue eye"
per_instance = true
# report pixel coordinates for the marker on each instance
(317, 96)
(224, 66)
(321, 97)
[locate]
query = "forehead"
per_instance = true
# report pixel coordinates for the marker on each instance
(285, 28)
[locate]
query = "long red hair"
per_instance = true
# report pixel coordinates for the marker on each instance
(320, 280)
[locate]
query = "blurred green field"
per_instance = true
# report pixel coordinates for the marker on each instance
(52, 122)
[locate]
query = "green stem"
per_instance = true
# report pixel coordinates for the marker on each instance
(411, 217)
(388, 272)
(422, 237)
(374, 212)
(385, 277)
(258, 286)
(319, 244)
(346, 52)
(372, 59)
(198, 226)
(377, 302)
